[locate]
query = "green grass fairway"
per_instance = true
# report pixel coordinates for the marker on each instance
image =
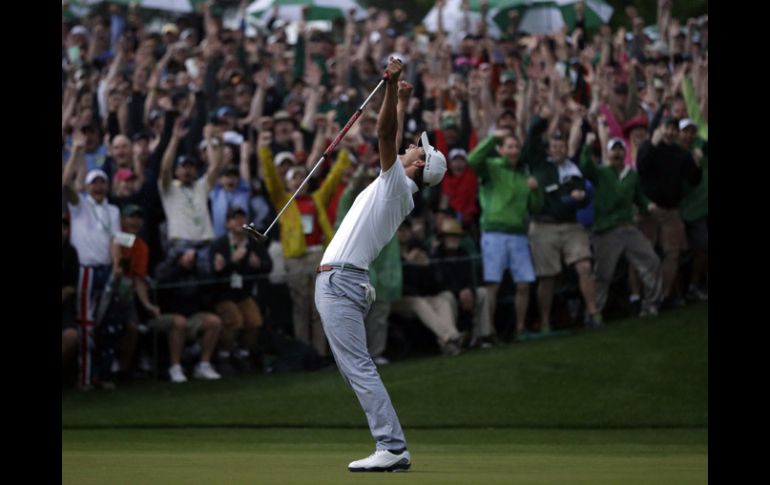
(627, 404)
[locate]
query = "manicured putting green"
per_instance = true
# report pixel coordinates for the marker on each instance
(320, 456)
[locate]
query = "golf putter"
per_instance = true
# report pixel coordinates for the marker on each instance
(251, 228)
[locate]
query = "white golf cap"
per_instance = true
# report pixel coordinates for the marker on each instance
(295, 170)
(435, 163)
(284, 157)
(613, 142)
(80, 30)
(686, 123)
(458, 152)
(94, 174)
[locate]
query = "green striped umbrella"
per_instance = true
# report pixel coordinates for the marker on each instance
(548, 16)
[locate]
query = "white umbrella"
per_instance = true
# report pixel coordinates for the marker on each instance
(541, 20)
(455, 20)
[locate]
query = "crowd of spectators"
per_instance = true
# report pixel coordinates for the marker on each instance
(577, 180)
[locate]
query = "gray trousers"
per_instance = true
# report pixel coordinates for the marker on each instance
(343, 298)
(608, 247)
(376, 323)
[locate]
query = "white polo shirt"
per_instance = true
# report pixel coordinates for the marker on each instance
(187, 210)
(92, 229)
(373, 219)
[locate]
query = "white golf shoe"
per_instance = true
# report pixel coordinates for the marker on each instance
(382, 461)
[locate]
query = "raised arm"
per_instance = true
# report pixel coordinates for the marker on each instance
(244, 166)
(167, 164)
(76, 159)
(587, 165)
(214, 150)
(576, 131)
(387, 122)
(477, 158)
(313, 93)
(404, 91)
(262, 78)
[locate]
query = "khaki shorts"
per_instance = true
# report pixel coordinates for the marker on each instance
(551, 241)
(194, 323)
(664, 227)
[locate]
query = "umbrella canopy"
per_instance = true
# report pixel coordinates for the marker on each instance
(455, 19)
(291, 10)
(548, 16)
(182, 6)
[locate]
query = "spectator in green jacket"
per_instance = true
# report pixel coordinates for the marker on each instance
(616, 190)
(506, 194)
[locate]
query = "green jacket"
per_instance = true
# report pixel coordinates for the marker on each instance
(614, 193)
(557, 205)
(504, 195)
(695, 204)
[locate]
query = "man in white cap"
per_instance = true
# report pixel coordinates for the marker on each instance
(613, 233)
(343, 293)
(94, 225)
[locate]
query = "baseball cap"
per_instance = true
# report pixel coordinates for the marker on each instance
(234, 211)
(435, 163)
(284, 157)
(80, 30)
(95, 173)
(187, 33)
(232, 137)
(294, 170)
(185, 160)
(132, 210)
(614, 142)
(154, 115)
(169, 29)
(451, 227)
(282, 115)
(686, 123)
(225, 111)
(458, 152)
(230, 171)
(141, 135)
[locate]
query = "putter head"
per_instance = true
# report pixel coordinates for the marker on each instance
(251, 230)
